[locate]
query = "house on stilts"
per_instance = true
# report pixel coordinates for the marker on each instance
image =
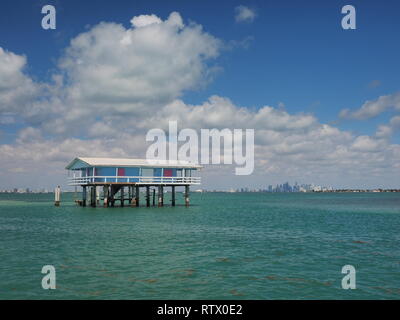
(121, 179)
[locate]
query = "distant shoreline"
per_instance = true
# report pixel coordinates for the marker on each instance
(225, 191)
(327, 191)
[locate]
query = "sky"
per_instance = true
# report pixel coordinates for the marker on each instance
(324, 102)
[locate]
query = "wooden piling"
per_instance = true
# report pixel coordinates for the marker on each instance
(160, 196)
(93, 197)
(84, 195)
(133, 200)
(105, 196)
(154, 197)
(112, 194)
(137, 194)
(57, 196)
(122, 196)
(147, 196)
(187, 196)
(173, 196)
(97, 196)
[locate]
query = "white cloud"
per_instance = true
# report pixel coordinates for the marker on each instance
(110, 72)
(371, 109)
(368, 144)
(244, 14)
(387, 130)
(152, 66)
(115, 84)
(28, 135)
(16, 89)
(287, 145)
(145, 20)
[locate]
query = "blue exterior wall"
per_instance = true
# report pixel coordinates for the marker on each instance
(104, 171)
(157, 172)
(129, 171)
(132, 172)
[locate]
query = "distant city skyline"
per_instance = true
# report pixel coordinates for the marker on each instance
(324, 102)
(279, 188)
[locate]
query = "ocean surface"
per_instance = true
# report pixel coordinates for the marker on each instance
(225, 246)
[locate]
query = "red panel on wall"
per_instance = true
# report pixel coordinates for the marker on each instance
(167, 172)
(121, 172)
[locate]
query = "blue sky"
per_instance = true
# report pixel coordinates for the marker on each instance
(294, 53)
(297, 54)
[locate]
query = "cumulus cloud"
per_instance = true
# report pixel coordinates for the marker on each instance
(244, 14)
(371, 109)
(114, 84)
(220, 112)
(290, 145)
(135, 70)
(145, 20)
(387, 130)
(367, 144)
(17, 90)
(111, 71)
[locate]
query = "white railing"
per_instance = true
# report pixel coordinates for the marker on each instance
(77, 181)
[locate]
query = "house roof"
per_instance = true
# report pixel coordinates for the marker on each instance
(83, 162)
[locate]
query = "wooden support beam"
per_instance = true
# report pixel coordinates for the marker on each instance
(154, 197)
(187, 196)
(147, 196)
(160, 196)
(133, 200)
(173, 196)
(112, 194)
(93, 197)
(137, 194)
(84, 196)
(97, 196)
(105, 195)
(122, 196)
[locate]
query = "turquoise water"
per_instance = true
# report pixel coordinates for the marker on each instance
(225, 246)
